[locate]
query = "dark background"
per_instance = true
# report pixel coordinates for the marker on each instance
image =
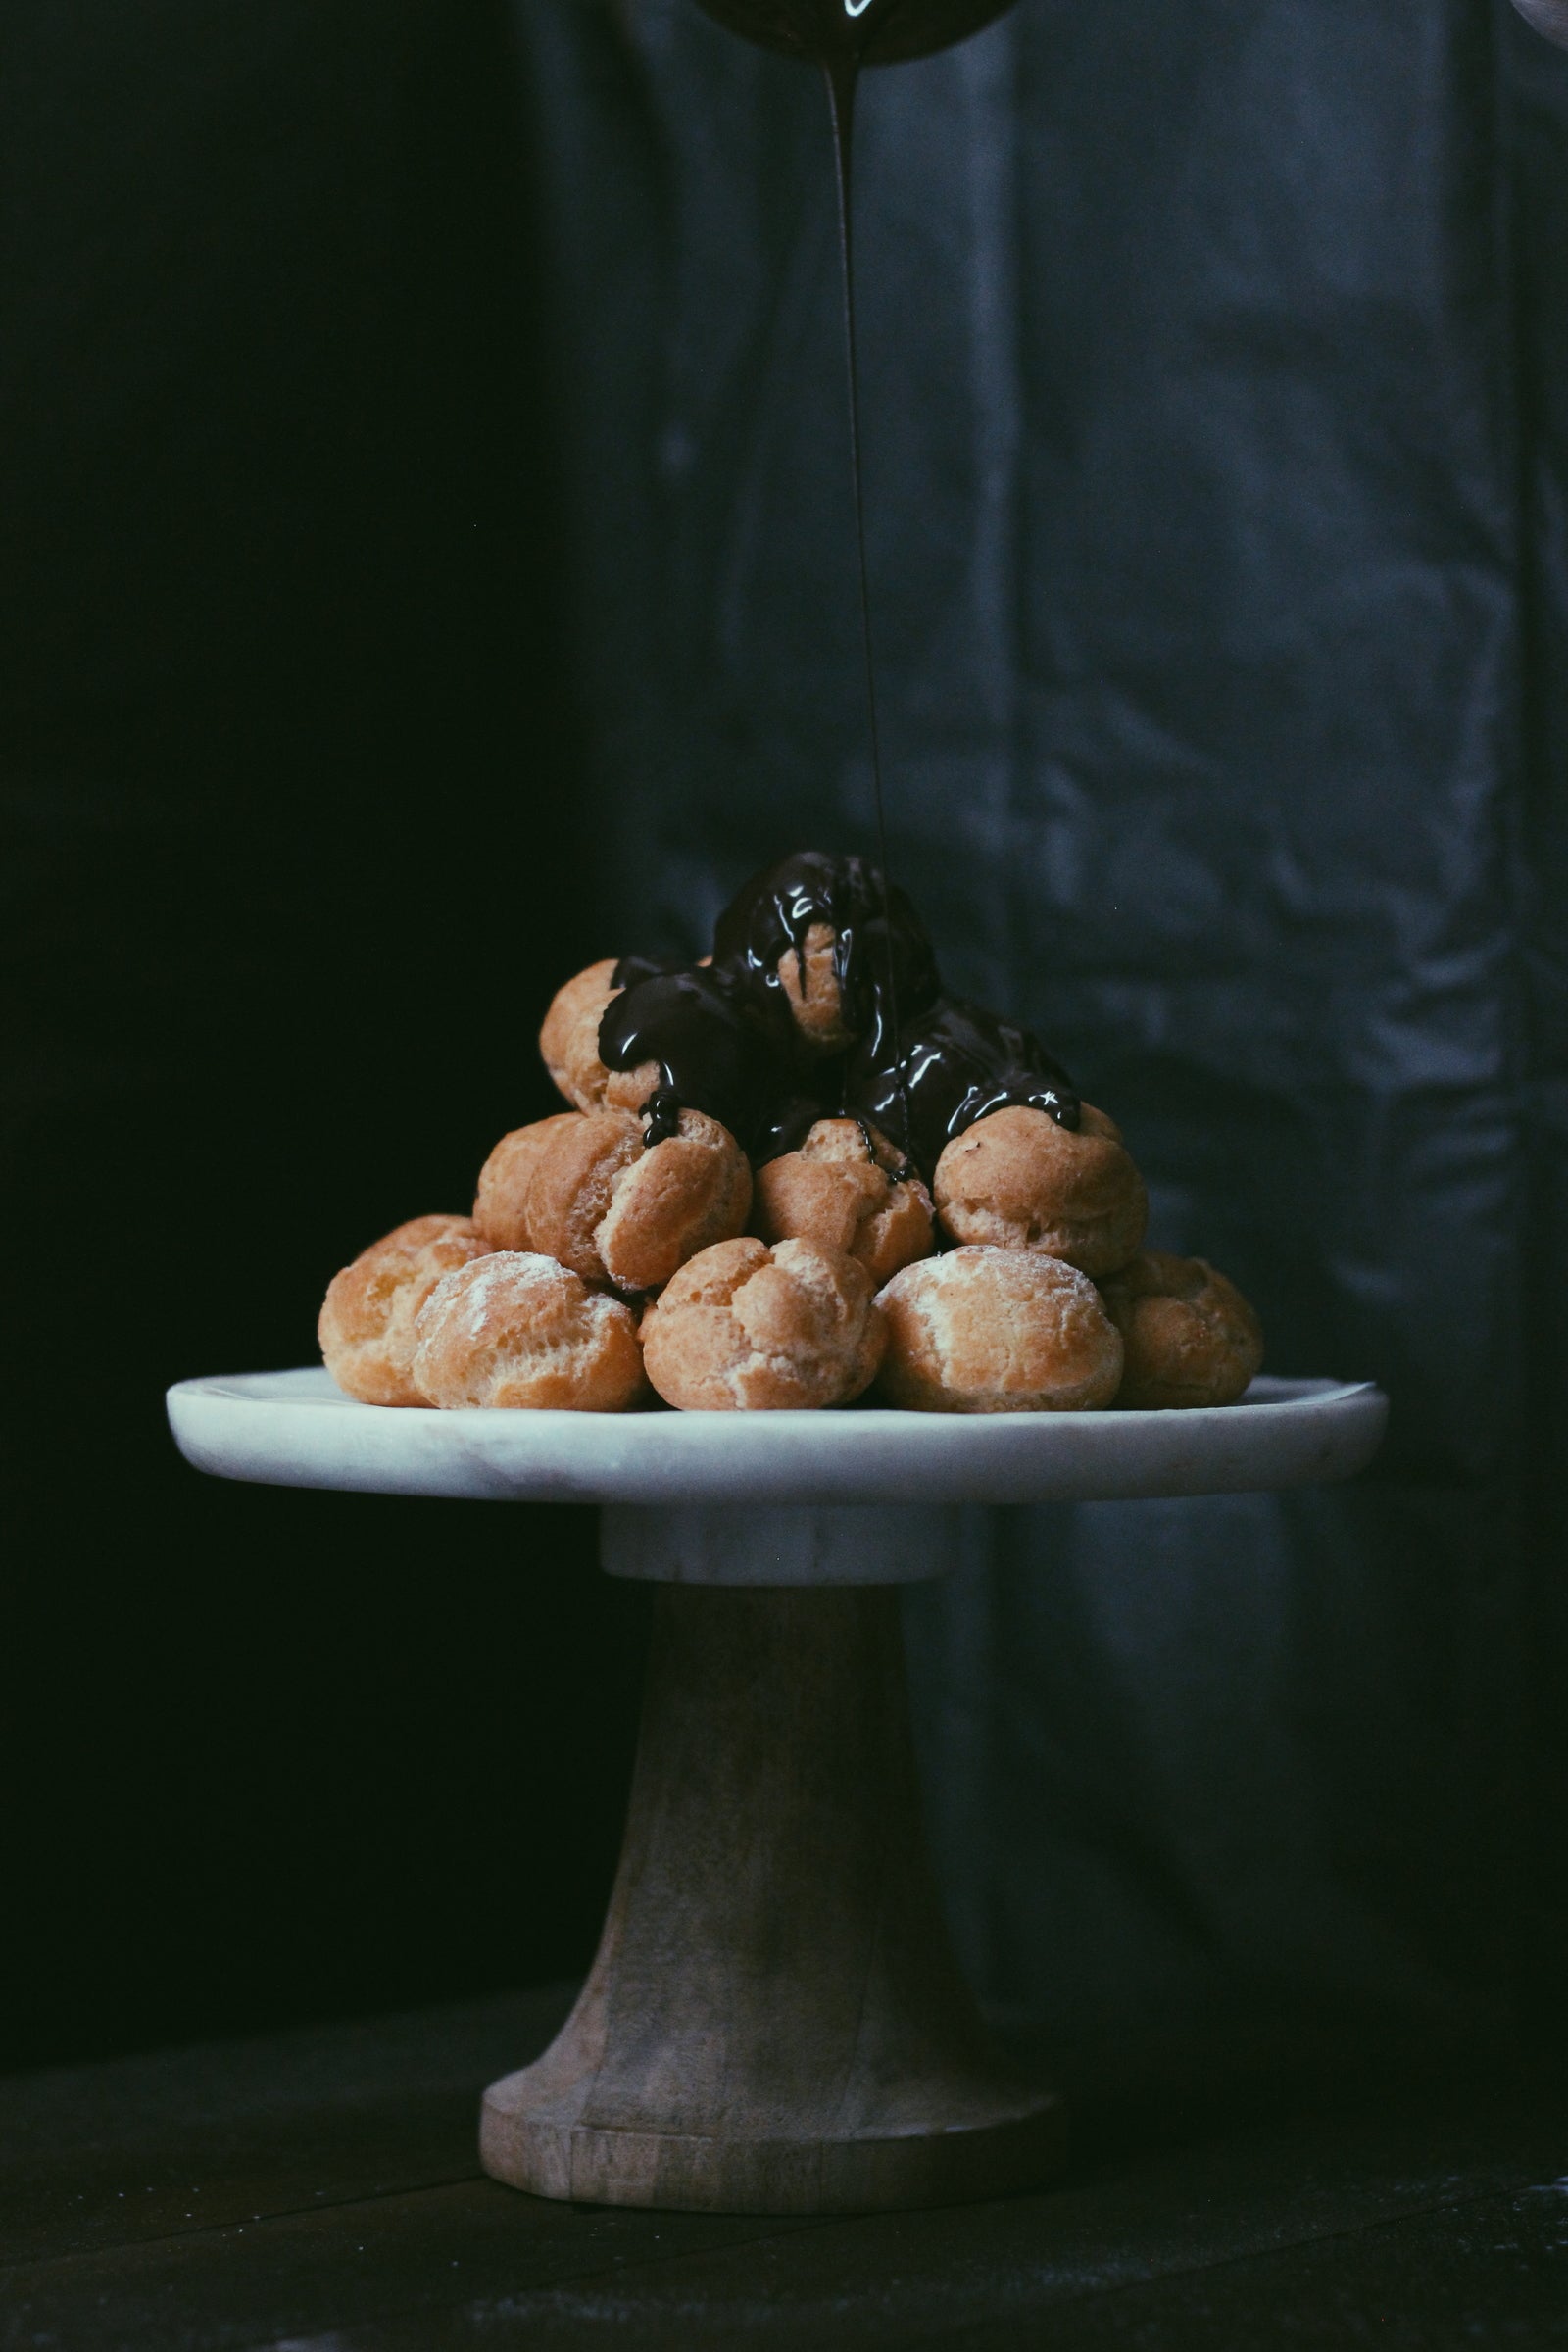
(426, 567)
(286, 757)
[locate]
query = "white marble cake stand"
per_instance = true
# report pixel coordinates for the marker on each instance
(774, 2021)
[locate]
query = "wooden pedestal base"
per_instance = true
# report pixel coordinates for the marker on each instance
(774, 2021)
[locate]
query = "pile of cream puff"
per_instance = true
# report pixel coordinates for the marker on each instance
(599, 1272)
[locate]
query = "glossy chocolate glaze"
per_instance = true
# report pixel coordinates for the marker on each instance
(725, 1042)
(880, 948)
(643, 968)
(956, 1062)
(717, 1043)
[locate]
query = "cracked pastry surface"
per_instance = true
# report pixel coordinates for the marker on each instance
(1190, 1336)
(1017, 1180)
(998, 1331)
(592, 1194)
(517, 1331)
(749, 1327)
(366, 1324)
(833, 1193)
(501, 1202)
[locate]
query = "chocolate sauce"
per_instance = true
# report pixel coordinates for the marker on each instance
(842, 75)
(881, 955)
(725, 1040)
(723, 1036)
(643, 968)
(718, 1044)
(956, 1062)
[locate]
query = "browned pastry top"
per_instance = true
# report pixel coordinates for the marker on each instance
(1191, 1338)
(1020, 1180)
(584, 1188)
(745, 1326)
(832, 1191)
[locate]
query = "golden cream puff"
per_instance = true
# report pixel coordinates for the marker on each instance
(745, 1327)
(367, 1316)
(1018, 1180)
(998, 1331)
(845, 1191)
(515, 1330)
(1191, 1338)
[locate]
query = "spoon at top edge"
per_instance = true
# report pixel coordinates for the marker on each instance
(856, 32)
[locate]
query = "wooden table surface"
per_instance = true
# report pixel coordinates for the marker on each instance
(319, 2191)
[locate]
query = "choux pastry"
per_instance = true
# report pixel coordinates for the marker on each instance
(998, 1331)
(827, 937)
(569, 1041)
(820, 1014)
(1018, 1180)
(1191, 1338)
(615, 1209)
(518, 1331)
(674, 1199)
(501, 1204)
(367, 1316)
(745, 1326)
(832, 1191)
(814, 990)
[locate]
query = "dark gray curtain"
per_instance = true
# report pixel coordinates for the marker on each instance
(1215, 429)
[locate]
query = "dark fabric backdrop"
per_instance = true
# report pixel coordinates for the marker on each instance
(1211, 369)
(428, 567)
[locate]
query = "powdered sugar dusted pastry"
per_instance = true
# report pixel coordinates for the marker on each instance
(367, 1316)
(500, 1205)
(834, 1192)
(998, 1331)
(1191, 1337)
(518, 1331)
(616, 1210)
(1020, 1180)
(749, 1328)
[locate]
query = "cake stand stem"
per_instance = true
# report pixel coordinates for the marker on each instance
(774, 2021)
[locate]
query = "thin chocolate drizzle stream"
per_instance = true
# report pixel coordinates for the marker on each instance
(919, 1067)
(842, 75)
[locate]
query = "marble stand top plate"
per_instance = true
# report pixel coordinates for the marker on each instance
(297, 1428)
